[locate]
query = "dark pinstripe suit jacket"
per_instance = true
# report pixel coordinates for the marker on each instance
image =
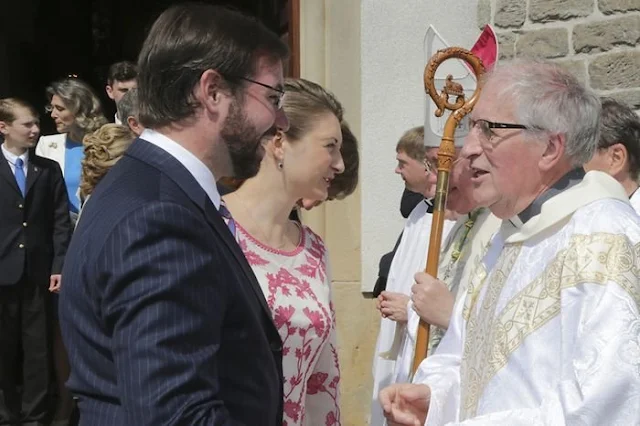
(163, 319)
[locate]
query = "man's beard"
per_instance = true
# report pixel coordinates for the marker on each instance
(243, 142)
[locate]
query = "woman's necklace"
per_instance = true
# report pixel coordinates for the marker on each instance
(259, 228)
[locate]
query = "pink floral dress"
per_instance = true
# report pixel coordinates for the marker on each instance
(297, 287)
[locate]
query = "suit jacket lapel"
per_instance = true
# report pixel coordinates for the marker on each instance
(6, 172)
(151, 154)
(33, 174)
(215, 220)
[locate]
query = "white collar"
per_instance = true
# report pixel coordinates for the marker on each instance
(594, 186)
(635, 200)
(11, 157)
(198, 170)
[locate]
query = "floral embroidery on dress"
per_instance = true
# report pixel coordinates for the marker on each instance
(253, 258)
(297, 288)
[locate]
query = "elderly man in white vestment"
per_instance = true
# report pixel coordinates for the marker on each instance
(549, 330)
(618, 152)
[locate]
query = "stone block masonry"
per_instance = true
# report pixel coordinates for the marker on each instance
(607, 34)
(596, 40)
(558, 10)
(618, 6)
(545, 43)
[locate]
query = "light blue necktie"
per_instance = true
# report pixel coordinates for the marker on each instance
(21, 179)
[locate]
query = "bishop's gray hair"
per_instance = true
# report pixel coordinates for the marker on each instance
(549, 99)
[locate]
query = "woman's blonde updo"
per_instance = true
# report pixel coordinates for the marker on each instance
(102, 149)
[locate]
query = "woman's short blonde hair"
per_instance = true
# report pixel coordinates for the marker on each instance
(102, 149)
(79, 98)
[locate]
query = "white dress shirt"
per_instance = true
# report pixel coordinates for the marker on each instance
(198, 170)
(11, 159)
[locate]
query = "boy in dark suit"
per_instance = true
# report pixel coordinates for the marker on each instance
(34, 235)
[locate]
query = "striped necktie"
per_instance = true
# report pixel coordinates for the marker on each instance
(226, 215)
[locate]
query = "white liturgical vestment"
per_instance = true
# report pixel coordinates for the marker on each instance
(635, 200)
(410, 258)
(549, 331)
(455, 273)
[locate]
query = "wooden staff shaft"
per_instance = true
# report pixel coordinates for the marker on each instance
(445, 161)
(446, 155)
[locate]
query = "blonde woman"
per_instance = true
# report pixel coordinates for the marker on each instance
(102, 149)
(76, 110)
(289, 260)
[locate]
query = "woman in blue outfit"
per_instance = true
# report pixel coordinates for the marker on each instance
(76, 110)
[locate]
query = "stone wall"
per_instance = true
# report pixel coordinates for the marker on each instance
(598, 40)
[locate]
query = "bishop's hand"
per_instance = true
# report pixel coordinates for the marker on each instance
(405, 404)
(432, 300)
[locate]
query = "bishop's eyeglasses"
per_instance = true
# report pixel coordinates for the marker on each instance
(486, 128)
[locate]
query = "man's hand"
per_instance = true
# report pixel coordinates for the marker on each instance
(55, 281)
(405, 404)
(432, 300)
(393, 306)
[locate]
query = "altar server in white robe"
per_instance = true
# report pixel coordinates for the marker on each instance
(410, 257)
(618, 152)
(549, 331)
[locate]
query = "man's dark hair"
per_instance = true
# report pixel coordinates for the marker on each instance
(184, 42)
(619, 124)
(122, 71)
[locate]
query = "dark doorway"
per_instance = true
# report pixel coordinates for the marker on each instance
(44, 40)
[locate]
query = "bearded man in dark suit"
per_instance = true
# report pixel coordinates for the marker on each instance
(163, 318)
